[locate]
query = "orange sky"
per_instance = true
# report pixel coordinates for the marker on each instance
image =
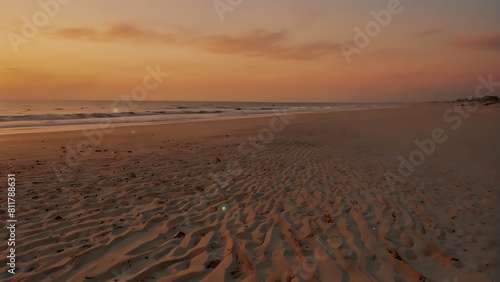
(254, 51)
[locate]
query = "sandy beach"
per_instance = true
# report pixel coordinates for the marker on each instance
(401, 194)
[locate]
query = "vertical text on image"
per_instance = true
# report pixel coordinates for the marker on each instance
(11, 223)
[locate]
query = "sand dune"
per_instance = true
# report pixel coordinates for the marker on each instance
(182, 202)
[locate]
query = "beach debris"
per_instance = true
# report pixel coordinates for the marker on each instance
(213, 263)
(395, 255)
(452, 214)
(218, 160)
(328, 218)
(58, 217)
(179, 234)
(236, 273)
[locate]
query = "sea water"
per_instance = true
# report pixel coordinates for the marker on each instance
(18, 116)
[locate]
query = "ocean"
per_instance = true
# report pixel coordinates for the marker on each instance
(24, 116)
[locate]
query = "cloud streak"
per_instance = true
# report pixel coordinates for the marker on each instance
(485, 41)
(267, 44)
(260, 43)
(427, 32)
(115, 33)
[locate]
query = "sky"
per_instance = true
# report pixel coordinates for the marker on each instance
(230, 50)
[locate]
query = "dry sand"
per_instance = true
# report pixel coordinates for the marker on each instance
(314, 204)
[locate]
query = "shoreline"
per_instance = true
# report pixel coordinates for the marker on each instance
(82, 127)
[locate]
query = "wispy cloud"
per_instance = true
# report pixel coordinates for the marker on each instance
(254, 43)
(117, 32)
(268, 44)
(427, 32)
(484, 41)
